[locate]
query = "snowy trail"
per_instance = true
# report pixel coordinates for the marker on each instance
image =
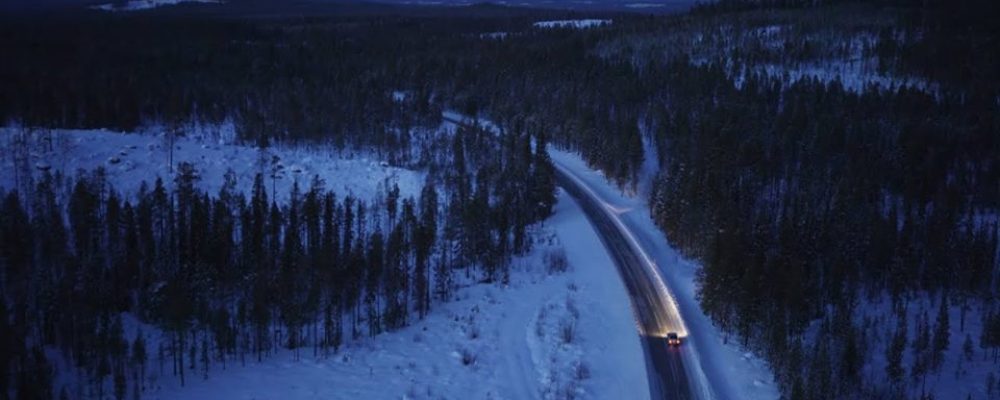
(514, 333)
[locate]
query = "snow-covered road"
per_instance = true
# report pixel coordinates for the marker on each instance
(713, 367)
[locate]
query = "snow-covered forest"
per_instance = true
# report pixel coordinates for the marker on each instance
(241, 189)
(240, 271)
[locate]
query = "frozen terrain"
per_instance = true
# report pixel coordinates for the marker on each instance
(131, 158)
(733, 372)
(964, 372)
(547, 335)
(967, 370)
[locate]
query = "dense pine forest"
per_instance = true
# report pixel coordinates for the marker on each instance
(803, 195)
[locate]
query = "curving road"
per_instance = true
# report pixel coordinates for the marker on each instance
(670, 377)
(654, 311)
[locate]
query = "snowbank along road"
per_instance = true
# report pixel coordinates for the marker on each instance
(673, 371)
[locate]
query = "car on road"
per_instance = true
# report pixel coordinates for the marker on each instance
(673, 339)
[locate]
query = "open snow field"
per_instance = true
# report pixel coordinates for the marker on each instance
(131, 158)
(490, 343)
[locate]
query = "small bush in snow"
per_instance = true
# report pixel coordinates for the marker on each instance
(581, 371)
(571, 308)
(468, 358)
(473, 331)
(567, 330)
(539, 326)
(555, 261)
(568, 392)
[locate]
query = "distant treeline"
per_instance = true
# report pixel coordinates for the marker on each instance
(277, 82)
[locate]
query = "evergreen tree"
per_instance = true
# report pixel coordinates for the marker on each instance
(120, 384)
(6, 342)
(392, 202)
(894, 368)
(291, 289)
(15, 250)
(139, 360)
(543, 182)
(83, 216)
(376, 273)
(920, 348)
(442, 275)
(942, 333)
(424, 239)
(851, 359)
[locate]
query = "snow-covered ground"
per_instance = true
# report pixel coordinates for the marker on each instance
(494, 35)
(732, 372)
(452, 117)
(491, 343)
(854, 76)
(735, 373)
(546, 335)
(137, 5)
(856, 69)
(963, 372)
(573, 23)
(131, 158)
